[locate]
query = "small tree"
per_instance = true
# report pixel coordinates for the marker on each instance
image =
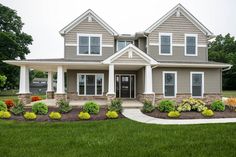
(3, 79)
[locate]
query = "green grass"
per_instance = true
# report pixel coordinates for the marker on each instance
(118, 138)
(230, 93)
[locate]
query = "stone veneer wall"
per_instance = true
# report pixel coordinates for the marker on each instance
(25, 98)
(208, 98)
(74, 96)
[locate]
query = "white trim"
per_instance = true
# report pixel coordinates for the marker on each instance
(163, 83)
(181, 45)
(202, 45)
(88, 13)
(148, 88)
(196, 44)
(203, 88)
(111, 79)
(24, 80)
(60, 80)
(124, 41)
(50, 82)
(154, 44)
(70, 44)
(85, 74)
(184, 12)
(135, 50)
(130, 84)
(89, 45)
(165, 34)
(107, 45)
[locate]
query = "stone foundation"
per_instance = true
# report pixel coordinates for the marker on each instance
(50, 94)
(208, 98)
(110, 97)
(25, 98)
(59, 97)
(75, 96)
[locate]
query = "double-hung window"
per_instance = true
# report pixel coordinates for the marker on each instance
(197, 84)
(169, 83)
(123, 43)
(165, 43)
(191, 44)
(90, 84)
(89, 44)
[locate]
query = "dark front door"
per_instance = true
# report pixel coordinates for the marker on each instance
(125, 85)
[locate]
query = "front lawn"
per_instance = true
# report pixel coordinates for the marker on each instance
(121, 138)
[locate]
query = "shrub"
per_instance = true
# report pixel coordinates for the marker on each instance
(30, 116)
(184, 107)
(5, 114)
(196, 104)
(35, 98)
(207, 113)
(18, 109)
(166, 106)
(9, 103)
(147, 106)
(91, 107)
(64, 106)
(84, 115)
(55, 115)
(3, 106)
(112, 114)
(40, 108)
(231, 102)
(218, 106)
(173, 114)
(116, 105)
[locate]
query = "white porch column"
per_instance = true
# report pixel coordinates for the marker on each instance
(24, 80)
(111, 79)
(50, 82)
(148, 80)
(60, 80)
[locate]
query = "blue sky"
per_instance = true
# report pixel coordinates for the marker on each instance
(44, 18)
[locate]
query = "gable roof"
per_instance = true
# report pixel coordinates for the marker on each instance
(186, 13)
(135, 50)
(88, 13)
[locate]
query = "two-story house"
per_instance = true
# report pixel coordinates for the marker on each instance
(167, 60)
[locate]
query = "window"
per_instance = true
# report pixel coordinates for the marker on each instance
(165, 40)
(190, 44)
(89, 44)
(90, 84)
(197, 83)
(169, 84)
(122, 43)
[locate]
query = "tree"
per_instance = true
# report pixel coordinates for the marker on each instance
(2, 80)
(13, 44)
(223, 49)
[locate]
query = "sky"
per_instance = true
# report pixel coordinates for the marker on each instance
(44, 19)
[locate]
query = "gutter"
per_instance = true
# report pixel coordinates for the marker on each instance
(226, 69)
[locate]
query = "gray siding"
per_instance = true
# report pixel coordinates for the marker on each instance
(140, 81)
(178, 54)
(71, 53)
(212, 80)
(142, 44)
(178, 26)
(88, 28)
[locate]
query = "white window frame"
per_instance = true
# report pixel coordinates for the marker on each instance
(163, 83)
(191, 81)
(171, 43)
(185, 44)
(85, 94)
(89, 35)
(124, 41)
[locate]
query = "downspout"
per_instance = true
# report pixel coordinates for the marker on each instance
(146, 42)
(226, 69)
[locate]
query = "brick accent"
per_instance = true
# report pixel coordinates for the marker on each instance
(50, 94)
(25, 98)
(110, 97)
(143, 97)
(59, 97)
(211, 97)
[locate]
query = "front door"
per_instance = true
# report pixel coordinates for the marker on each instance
(125, 85)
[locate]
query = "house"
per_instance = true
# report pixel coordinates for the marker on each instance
(167, 60)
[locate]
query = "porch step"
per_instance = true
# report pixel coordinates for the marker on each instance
(132, 104)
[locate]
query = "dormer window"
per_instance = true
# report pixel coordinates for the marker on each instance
(89, 44)
(123, 43)
(190, 44)
(165, 46)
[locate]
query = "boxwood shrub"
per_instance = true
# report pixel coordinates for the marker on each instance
(40, 108)
(218, 106)
(91, 107)
(166, 106)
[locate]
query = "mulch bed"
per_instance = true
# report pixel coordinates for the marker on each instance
(194, 115)
(71, 116)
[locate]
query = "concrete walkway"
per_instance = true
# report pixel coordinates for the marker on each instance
(137, 115)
